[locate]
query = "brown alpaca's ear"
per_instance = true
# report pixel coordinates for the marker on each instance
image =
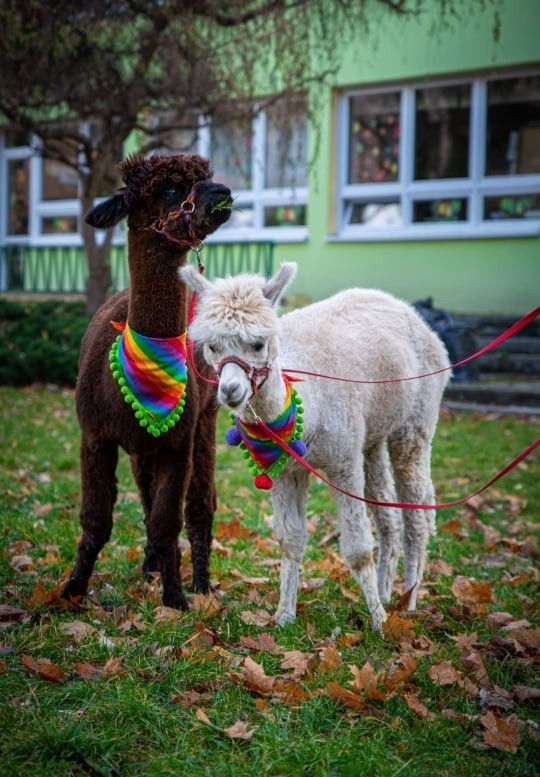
(107, 213)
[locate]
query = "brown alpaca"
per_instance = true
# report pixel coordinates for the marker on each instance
(175, 468)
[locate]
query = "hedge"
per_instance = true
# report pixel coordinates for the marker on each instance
(40, 341)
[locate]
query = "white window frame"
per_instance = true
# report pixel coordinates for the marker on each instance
(38, 208)
(406, 190)
(258, 197)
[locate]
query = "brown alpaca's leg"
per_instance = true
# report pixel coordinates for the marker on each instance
(165, 522)
(98, 482)
(143, 468)
(201, 501)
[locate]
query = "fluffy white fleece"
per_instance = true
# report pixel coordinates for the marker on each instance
(370, 439)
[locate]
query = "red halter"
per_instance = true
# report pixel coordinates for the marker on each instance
(257, 375)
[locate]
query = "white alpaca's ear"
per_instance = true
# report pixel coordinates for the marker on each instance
(193, 278)
(273, 289)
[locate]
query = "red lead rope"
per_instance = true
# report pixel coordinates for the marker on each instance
(404, 505)
(523, 322)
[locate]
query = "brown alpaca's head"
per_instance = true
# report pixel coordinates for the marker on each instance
(160, 191)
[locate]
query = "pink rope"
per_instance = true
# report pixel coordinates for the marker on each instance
(523, 322)
(404, 505)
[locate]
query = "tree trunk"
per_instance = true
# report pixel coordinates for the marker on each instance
(97, 246)
(98, 284)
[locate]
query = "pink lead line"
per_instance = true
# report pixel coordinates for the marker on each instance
(527, 319)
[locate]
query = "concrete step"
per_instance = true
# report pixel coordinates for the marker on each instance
(512, 394)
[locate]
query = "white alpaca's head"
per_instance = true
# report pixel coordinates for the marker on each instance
(237, 317)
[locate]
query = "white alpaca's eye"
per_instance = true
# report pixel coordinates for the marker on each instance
(212, 348)
(258, 347)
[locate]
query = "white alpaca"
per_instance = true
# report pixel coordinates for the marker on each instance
(369, 439)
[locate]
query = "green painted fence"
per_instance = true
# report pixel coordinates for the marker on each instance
(62, 269)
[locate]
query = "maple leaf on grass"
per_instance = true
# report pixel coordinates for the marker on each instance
(399, 672)
(300, 663)
(265, 642)
(365, 682)
(418, 707)
(208, 604)
(353, 701)
(395, 627)
(43, 667)
(257, 617)
(255, 678)
(239, 730)
(501, 734)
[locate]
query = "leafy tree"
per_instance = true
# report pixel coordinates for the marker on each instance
(83, 77)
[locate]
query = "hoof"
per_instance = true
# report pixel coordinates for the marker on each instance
(75, 589)
(377, 619)
(282, 617)
(175, 600)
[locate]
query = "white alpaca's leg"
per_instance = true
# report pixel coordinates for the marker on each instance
(289, 497)
(388, 520)
(411, 462)
(356, 544)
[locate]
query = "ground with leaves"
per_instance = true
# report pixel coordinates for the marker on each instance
(125, 686)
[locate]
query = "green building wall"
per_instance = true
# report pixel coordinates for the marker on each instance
(476, 275)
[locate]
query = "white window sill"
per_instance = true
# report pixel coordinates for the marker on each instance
(456, 231)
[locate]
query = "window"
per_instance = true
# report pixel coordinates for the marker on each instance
(265, 164)
(444, 159)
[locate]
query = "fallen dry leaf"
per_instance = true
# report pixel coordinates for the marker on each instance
(239, 730)
(231, 530)
(349, 699)
(78, 630)
(10, 615)
(400, 672)
(330, 659)
(43, 668)
(299, 662)
(265, 642)
(526, 693)
(501, 734)
(256, 617)
(163, 613)
(471, 592)
(365, 681)
(444, 673)
(395, 627)
(495, 698)
(208, 604)
(256, 678)
(414, 703)
(201, 715)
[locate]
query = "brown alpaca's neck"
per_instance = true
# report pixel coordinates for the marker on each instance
(157, 298)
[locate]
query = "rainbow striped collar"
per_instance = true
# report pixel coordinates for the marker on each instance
(152, 375)
(267, 458)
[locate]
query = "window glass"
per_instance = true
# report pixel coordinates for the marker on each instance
(438, 210)
(512, 206)
(285, 216)
(378, 213)
(58, 224)
(232, 157)
(374, 138)
(286, 145)
(18, 174)
(59, 181)
(513, 126)
(442, 132)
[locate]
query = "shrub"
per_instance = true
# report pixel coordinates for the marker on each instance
(39, 342)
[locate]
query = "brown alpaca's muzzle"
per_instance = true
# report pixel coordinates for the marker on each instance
(207, 207)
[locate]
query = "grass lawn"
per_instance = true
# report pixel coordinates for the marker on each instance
(124, 686)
